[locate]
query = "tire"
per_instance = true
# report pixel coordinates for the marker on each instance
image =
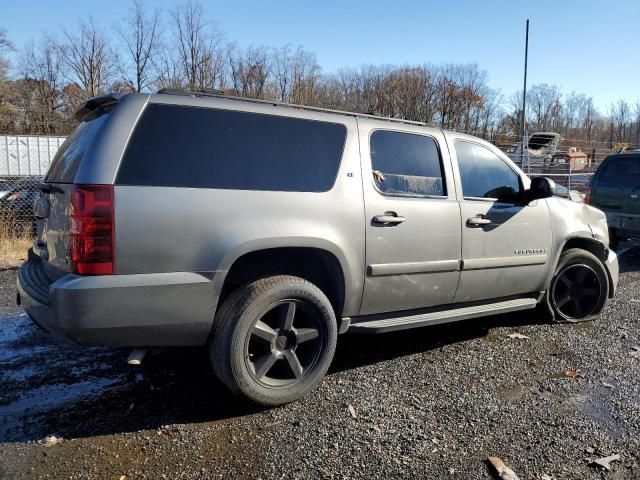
(614, 239)
(273, 339)
(579, 288)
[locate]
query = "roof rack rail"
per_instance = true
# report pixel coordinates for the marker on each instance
(211, 93)
(205, 92)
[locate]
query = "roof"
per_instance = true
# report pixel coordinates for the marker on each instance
(214, 94)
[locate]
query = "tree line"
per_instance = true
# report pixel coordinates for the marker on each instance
(181, 48)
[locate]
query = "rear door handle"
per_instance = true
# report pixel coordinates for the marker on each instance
(388, 218)
(477, 221)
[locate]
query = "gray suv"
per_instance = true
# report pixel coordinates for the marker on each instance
(264, 230)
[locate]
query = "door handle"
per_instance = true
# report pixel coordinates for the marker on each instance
(477, 221)
(388, 218)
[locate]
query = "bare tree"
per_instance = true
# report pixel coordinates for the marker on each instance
(6, 46)
(140, 34)
(544, 106)
(87, 58)
(6, 92)
(198, 45)
(249, 70)
(41, 89)
(620, 114)
(636, 111)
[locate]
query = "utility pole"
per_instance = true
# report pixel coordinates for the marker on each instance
(523, 130)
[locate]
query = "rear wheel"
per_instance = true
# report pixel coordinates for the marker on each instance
(274, 339)
(580, 287)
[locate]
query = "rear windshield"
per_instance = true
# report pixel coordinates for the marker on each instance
(67, 160)
(621, 171)
(177, 146)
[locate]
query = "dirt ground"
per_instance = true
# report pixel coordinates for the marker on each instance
(428, 403)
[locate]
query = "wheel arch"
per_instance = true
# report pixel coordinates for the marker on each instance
(317, 264)
(587, 243)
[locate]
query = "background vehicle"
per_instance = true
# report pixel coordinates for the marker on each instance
(566, 162)
(541, 146)
(615, 189)
(17, 206)
(263, 230)
(5, 188)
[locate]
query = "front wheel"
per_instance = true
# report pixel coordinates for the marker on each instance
(274, 339)
(579, 288)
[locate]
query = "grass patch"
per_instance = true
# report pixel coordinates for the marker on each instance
(13, 248)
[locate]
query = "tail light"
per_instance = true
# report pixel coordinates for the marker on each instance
(587, 196)
(91, 230)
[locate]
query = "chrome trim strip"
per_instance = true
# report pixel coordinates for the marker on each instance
(413, 267)
(501, 262)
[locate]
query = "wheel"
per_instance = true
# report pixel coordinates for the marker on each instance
(273, 339)
(579, 288)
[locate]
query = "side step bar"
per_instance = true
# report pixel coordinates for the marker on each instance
(390, 324)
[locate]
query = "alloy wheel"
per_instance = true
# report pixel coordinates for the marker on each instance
(284, 343)
(577, 291)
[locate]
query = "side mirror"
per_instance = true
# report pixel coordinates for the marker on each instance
(541, 187)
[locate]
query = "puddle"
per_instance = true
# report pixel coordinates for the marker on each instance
(41, 375)
(49, 396)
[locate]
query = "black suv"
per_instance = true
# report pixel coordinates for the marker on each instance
(615, 189)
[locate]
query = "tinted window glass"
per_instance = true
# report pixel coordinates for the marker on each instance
(67, 160)
(621, 172)
(208, 148)
(406, 164)
(484, 174)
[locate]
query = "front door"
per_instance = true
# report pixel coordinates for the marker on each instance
(413, 219)
(506, 244)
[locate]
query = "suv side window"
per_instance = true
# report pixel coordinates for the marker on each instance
(484, 174)
(406, 164)
(196, 147)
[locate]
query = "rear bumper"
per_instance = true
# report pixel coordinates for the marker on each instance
(159, 309)
(613, 271)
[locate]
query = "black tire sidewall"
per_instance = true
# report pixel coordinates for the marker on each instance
(237, 331)
(573, 257)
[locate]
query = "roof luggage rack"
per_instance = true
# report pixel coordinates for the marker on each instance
(210, 92)
(205, 92)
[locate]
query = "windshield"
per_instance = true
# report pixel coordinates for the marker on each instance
(67, 160)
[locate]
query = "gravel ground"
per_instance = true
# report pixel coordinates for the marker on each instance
(430, 403)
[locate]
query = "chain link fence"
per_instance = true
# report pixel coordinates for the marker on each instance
(24, 160)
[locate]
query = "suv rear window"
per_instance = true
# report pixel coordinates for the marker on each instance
(67, 160)
(176, 146)
(621, 171)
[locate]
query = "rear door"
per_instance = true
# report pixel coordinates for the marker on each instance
(412, 218)
(506, 244)
(616, 187)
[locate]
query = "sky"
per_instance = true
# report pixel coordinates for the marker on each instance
(588, 46)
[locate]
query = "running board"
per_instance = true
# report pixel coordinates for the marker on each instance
(415, 320)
